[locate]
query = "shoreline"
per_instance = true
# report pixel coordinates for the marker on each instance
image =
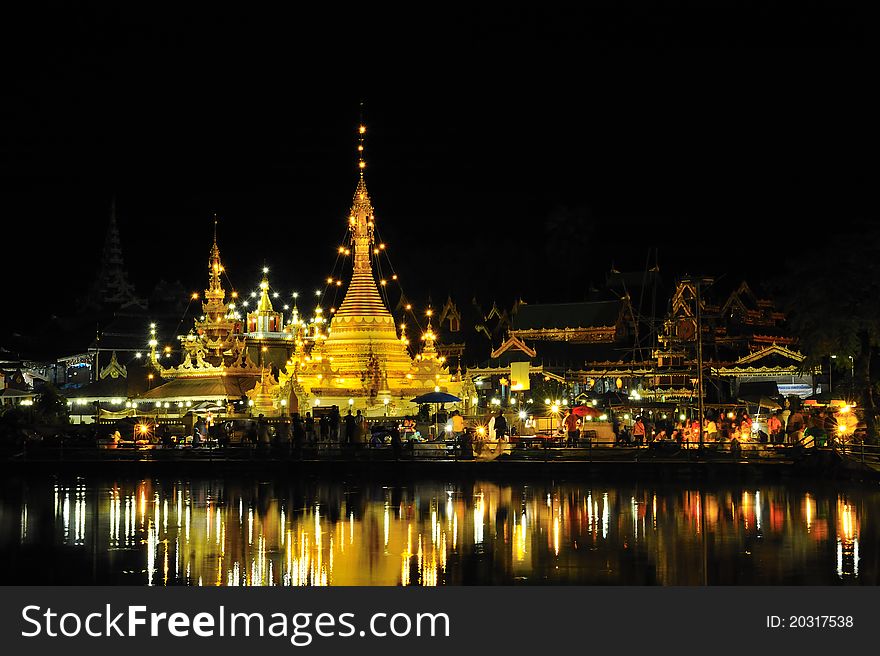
(822, 465)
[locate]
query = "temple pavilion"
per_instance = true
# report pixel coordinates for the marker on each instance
(362, 361)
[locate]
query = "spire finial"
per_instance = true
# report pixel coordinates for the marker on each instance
(215, 267)
(362, 130)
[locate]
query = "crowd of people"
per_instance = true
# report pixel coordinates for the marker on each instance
(329, 428)
(816, 428)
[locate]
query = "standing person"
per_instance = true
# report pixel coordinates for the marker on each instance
(795, 427)
(324, 426)
(500, 426)
(774, 427)
(712, 430)
(571, 428)
(310, 428)
(361, 428)
(639, 431)
(335, 423)
(745, 426)
(299, 435)
(298, 425)
(250, 432)
(263, 430)
(199, 433)
(828, 425)
(350, 427)
(785, 414)
(282, 432)
(396, 445)
(615, 428)
(161, 431)
(457, 425)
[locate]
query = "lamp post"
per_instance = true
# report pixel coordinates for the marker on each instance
(830, 368)
(700, 359)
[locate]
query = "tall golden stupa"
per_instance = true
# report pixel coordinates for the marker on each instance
(362, 361)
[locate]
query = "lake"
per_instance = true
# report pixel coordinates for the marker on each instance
(278, 531)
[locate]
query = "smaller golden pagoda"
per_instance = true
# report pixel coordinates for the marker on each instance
(265, 321)
(269, 341)
(216, 365)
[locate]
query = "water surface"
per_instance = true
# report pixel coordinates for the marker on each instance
(168, 531)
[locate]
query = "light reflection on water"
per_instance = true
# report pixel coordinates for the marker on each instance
(231, 532)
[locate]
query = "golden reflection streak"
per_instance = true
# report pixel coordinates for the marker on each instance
(478, 519)
(556, 535)
(280, 559)
(24, 523)
(809, 511)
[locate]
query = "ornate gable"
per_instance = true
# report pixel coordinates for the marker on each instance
(514, 342)
(770, 351)
(113, 369)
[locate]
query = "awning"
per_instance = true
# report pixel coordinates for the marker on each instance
(201, 389)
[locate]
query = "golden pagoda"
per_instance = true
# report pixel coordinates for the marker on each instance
(216, 365)
(362, 362)
(269, 341)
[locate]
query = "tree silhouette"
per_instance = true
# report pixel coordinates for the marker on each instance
(831, 289)
(50, 408)
(567, 237)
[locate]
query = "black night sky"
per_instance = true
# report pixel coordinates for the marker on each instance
(513, 155)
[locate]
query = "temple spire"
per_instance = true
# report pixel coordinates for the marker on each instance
(362, 298)
(265, 303)
(362, 130)
(215, 267)
(112, 286)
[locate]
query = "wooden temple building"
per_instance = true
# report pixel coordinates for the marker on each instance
(618, 346)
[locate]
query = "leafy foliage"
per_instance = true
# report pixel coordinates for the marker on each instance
(50, 408)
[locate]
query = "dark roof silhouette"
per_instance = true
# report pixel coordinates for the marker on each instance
(567, 315)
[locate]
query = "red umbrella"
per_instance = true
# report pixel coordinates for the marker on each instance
(585, 411)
